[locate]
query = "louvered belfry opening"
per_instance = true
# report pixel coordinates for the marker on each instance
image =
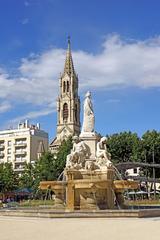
(65, 112)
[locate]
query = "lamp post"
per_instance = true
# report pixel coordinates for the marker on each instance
(154, 183)
(146, 171)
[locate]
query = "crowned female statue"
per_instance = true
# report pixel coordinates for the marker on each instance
(88, 117)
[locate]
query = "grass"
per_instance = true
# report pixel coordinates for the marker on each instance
(36, 203)
(143, 202)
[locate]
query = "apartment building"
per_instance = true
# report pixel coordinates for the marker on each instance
(22, 145)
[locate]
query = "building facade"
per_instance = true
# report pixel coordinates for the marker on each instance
(22, 145)
(133, 172)
(68, 103)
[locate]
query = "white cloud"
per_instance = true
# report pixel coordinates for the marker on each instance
(5, 106)
(120, 63)
(32, 115)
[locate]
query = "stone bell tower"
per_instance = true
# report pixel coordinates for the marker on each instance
(68, 103)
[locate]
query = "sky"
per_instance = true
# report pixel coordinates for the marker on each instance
(116, 53)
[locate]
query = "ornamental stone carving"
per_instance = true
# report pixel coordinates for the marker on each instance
(103, 157)
(79, 153)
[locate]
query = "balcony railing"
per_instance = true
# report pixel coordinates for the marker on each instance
(18, 169)
(20, 160)
(20, 144)
(20, 153)
(1, 155)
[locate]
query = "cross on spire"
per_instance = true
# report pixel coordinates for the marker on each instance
(69, 43)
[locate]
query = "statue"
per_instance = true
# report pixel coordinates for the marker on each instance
(88, 119)
(79, 152)
(102, 154)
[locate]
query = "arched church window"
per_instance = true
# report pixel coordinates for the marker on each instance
(64, 87)
(67, 86)
(65, 111)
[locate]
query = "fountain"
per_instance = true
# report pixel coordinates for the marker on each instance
(90, 182)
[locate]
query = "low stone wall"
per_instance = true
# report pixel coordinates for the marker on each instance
(47, 213)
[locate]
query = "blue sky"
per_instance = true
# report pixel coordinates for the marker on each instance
(116, 52)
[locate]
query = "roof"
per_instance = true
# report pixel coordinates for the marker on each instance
(69, 67)
(41, 148)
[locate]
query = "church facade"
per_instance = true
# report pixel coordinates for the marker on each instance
(68, 103)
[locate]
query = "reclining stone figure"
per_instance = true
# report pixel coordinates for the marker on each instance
(79, 153)
(102, 154)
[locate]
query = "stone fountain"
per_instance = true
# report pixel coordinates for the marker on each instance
(90, 176)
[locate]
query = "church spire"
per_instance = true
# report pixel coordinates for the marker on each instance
(69, 67)
(68, 103)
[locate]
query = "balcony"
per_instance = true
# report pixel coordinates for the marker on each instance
(20, 160)
(20, 144)
(1, 155)
(19, 169)
(2, 146)
(20, 152)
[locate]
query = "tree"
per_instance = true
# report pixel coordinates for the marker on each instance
(60, 160)
(50, 166)
(150, 148)
(124, 147)
(26, 180)
(8, 178)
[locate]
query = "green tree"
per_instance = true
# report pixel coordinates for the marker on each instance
(44, 167)
(50, 166)
(124, 147)
(8, 178)
(26, 180)
(60, 161)
(150, 148)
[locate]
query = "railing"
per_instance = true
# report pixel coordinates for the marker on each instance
(20, 144)
(20, 160)
(18, 169)
(20, 153)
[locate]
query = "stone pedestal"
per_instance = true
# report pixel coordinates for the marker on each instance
(70, 195)
(89, 189)
(90, 140)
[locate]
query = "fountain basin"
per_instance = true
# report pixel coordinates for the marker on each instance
(59, 188)
(89, 190)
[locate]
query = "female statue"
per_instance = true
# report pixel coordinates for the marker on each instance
(88, 117)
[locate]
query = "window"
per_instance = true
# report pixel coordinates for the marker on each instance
(20, 141)
(64, 87)
(9, 158)
(9, 150)
(9, 143)
(135, 170)
(67, 86)
(65, 111)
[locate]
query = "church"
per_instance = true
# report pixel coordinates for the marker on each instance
(68, 103)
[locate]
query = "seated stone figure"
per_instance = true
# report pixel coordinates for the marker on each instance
(102, 154)
(79, 152)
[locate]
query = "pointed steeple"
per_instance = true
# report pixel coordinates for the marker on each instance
(69, 67)
(68, 103)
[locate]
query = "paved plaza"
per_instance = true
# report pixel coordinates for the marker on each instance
(79, 229)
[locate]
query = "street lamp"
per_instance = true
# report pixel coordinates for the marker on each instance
(154, 175)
